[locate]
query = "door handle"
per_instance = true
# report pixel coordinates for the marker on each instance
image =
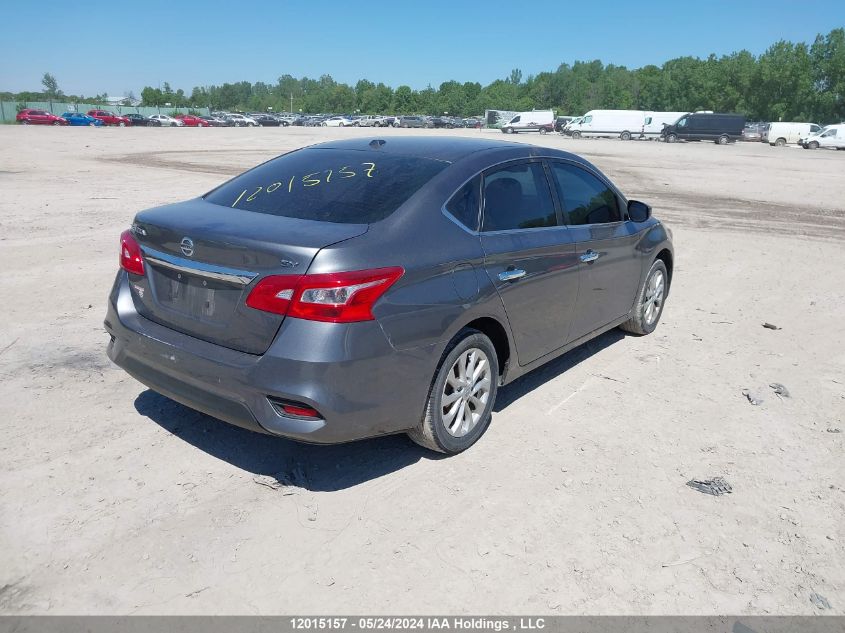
(590, 256)
(512, 274)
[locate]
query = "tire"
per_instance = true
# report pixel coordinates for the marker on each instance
(56, 123)
(121, 124)
(625, 136)
(24, 122)
(431, 432)
(508, 130)
(643, 321)
(576, 135)
(780, 142)
(672, 138)
(723, 140)
(813, 145)
(543, 130)
(92, 125)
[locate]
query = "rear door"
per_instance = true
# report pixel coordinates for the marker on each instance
(605, 242)
(529, 257)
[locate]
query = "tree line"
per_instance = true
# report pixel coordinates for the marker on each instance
(789, 81)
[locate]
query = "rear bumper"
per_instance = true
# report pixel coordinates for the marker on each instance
(350, 373)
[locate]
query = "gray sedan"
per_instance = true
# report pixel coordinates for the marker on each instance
(366, 287)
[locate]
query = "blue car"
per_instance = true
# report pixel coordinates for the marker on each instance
(79, 118)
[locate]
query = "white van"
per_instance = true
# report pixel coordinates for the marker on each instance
(535, 121)
(654, 122)
(780, 133)
(831, 136)
(609, 123)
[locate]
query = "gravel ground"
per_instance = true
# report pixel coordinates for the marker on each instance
(116, 500)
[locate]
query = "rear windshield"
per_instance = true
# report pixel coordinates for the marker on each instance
(329, 185)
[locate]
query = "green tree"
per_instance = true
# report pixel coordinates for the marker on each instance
(51, 87)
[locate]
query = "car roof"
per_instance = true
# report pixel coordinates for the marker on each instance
(449, 149)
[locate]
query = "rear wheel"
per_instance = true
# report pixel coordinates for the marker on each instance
(780, 142)
(460, 401)
(723, 140)
(625, 136)
(650, 298)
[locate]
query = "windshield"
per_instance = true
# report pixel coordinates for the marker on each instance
(328, 185)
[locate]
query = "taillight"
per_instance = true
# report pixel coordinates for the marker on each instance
(333, 297)
(130, 254)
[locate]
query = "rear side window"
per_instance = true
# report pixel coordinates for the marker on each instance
(517, 197)
(585, 198)
(328, 185)
(465, 204)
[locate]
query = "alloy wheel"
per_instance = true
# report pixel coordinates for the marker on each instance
(653, 299)
(465, 392)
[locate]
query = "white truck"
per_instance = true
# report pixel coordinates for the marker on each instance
(541, 121)
(625, 124)
(833, 136)
(780, 133)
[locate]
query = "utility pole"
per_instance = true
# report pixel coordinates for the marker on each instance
(291, 102)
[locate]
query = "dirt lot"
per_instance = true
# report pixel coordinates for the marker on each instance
(117, 500)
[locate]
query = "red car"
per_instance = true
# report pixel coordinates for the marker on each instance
(30, 116)
(192, 121)
(110, 118)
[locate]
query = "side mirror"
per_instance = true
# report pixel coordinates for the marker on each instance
(638, 211)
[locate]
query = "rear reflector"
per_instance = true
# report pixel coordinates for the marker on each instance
(130, 254)
(294, 409)
(334, 297)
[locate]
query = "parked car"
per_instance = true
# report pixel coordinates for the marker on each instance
(753, 132)
(285, 119)
(141, 120)
(240, 120)
(33, 116)
(337, 121)
(80, 118)
(561, 121)
(705, 126)
(472, 123)
(780, 133)
(165, 120)
(265, 120)
(372, 120)
(190, 120)
(832, 136)
(395, 297)
(414, 121)
(110, 118)
(214, 121)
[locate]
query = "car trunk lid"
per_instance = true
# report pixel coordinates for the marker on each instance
(202, 259)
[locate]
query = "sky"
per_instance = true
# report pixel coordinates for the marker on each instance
(115, 47)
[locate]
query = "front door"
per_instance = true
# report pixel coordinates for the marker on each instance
(530, 257)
